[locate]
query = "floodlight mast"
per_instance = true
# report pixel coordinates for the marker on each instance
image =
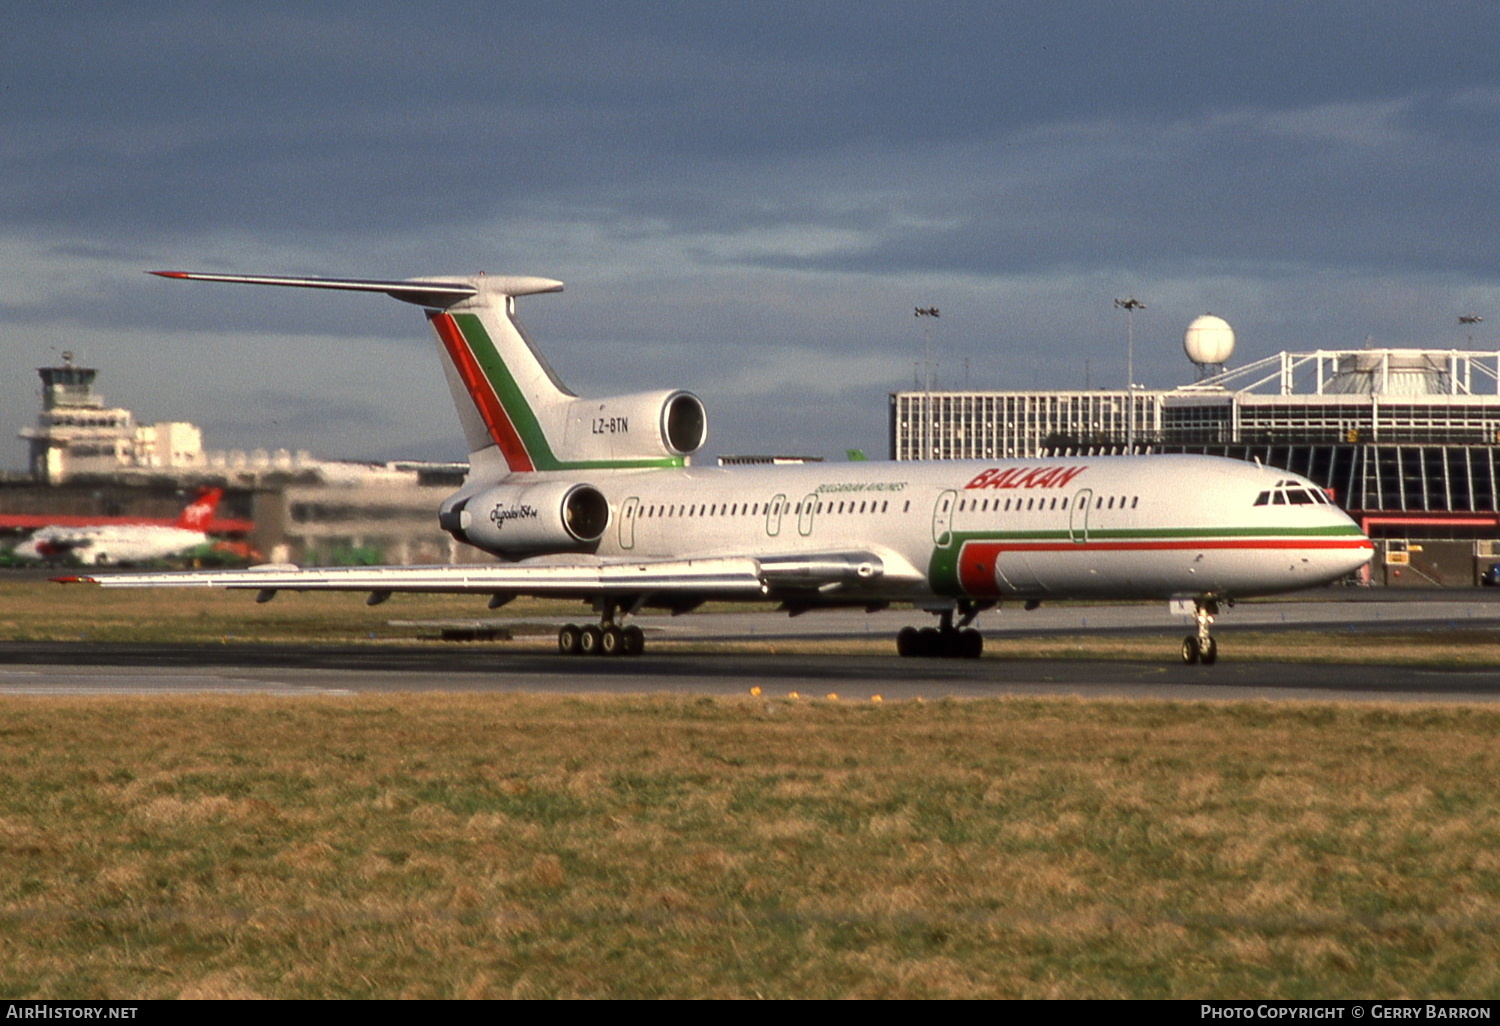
(1130, 306)
(927, 311)
(1470, 320)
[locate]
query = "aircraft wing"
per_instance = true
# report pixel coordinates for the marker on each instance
(666, 580)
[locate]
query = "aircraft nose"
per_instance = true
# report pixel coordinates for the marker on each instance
(1358, 557)
(1360, 551)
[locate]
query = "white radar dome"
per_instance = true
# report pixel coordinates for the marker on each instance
(1209, 340)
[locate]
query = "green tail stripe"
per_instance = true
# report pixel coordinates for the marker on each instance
(521, 414)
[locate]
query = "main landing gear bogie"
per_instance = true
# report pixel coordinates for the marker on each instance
(946, 641)
(608, 640)
(934, 643)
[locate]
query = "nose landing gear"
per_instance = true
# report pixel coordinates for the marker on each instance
(1201, 647)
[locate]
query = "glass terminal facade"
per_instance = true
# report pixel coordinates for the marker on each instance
(1405, 440)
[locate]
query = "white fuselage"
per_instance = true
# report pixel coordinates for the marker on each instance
(1131, 527)
(109, 544)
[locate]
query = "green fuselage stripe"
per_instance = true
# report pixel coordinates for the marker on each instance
(1161, 533)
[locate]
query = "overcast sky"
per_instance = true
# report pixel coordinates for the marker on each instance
(745, 199)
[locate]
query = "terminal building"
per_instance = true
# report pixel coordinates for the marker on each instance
(77, 435)
(90, 459)
(1405, 440)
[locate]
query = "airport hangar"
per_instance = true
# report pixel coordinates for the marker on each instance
(1406, 440)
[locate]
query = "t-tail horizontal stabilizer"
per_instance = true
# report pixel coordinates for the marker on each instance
(431, 292)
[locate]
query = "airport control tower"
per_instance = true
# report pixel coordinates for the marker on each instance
(69, 385)
(75, 432)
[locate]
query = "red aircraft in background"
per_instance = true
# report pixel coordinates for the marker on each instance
(95, 541)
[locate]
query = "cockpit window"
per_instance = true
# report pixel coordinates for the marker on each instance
(1293, 493)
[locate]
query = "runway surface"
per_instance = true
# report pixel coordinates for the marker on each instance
(42, 669)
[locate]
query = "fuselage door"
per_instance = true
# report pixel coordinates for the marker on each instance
(942, 518)
(1078, 516)
(805, 518)
(774, 509)
(628, 512)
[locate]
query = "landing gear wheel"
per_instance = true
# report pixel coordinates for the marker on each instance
(970, 644)
(634, 640)
(908, 642)
(1201, 647)
(929, 642)
(1208, 652)
(1190, 652)
(611, 641)
(568, 639)
(590, 641)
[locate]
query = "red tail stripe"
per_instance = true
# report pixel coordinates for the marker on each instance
(496, 420)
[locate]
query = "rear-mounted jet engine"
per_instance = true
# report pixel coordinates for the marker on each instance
(647, 424)
(530, 520)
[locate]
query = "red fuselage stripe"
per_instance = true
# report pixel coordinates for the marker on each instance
(977, 560)
(496, 420)
(1159, 546)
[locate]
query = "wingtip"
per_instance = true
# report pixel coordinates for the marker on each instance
(170, 274)
(74, 580)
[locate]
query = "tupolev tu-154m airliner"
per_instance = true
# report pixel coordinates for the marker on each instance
(598, 500)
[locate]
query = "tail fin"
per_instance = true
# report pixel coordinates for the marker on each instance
(511, 401)
(200, 513)
(512, 406)
(506, 393)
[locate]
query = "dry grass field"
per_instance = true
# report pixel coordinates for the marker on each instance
(494, 846)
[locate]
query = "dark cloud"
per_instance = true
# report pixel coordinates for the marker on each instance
(723, 183)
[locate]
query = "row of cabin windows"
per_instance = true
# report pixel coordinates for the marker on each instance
(755, 509)
(1021, 505)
